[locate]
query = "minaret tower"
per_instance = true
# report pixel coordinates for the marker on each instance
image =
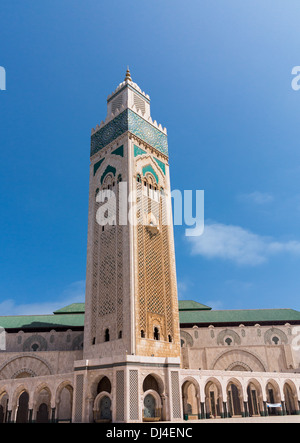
(131, 297)
(131, 308)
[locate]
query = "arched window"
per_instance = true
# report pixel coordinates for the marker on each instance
(104, 385)
(156, 334)
(142, 333)
(106, 337)
(170, 338)
(22, 413)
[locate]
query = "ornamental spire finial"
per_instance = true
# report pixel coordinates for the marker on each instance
(128, 76)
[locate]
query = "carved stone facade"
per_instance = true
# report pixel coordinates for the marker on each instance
(130, 354)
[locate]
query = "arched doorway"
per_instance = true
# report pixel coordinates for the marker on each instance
(234, 400)
(42, 415)
(213, 399)
(190, 400)
(43, 405)
(22, 412)
(273, 398)
(103, 401)
(64, 404)
(104, 385)
(152, 406)
(254, 399)
(290, 398)
(153, 389)
(3, 407)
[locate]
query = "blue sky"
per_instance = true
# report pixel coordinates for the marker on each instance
(219, 77)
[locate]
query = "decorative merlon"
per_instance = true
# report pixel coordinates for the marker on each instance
(132, 84)
(134, 109)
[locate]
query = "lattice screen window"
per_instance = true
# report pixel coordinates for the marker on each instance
(107, 272)
(120, 396)
(139, 103)
(175, 395)
(117, 103)
(134, 397)
(154, 267)
(78, 398)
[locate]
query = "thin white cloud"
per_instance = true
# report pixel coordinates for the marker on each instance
(73, 293)
(259, 198)
(238, 245)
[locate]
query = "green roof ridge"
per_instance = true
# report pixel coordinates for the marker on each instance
(191, 305)
(73, 308)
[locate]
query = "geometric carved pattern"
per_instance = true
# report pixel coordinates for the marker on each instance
(33, 366)
(132, 122)
(107, 273)
(238, 357)
(175, 395)
(154, 270)
(228, 333)
(120, 386)
(275, 332)
(77, 343)
(187, 338)
(35, 341)
(79, 398)
(134, 398)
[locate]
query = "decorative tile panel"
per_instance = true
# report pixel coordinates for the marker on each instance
(144, 130)
(129, 121)
(148, 168)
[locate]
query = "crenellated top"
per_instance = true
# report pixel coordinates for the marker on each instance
(128, 81)
(128, 95)
(134, 109)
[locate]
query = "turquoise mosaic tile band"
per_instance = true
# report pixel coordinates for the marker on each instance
(148, 168)
(129, 121)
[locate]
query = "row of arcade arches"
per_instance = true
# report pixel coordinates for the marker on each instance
(213, 400)
(218, 402)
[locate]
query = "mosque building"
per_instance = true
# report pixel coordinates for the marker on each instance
(132, 352)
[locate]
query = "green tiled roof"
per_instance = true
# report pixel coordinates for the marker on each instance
(74, 308)
(190, 313)
(191, 305)
(238, 316)
(42, 321)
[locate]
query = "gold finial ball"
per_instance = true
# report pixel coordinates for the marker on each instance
(128, 76)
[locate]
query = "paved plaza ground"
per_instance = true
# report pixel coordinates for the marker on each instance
(274, 419)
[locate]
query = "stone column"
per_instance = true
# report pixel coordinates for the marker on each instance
(202, 410)
(283, 408)
(225, 412)
(30, 413)
(52, 415)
